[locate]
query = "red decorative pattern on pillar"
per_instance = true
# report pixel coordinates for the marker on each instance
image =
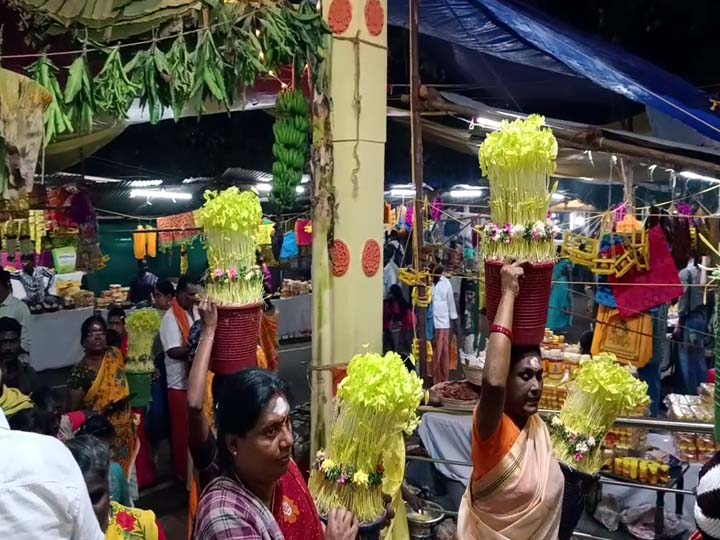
(374, 17)
(371, 258)
(340, 15)
(340, 257)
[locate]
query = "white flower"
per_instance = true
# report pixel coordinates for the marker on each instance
(582, 448)
(591, 442)
(517, 230)
(556, 421)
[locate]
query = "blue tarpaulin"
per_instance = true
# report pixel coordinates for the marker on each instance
(485, 36)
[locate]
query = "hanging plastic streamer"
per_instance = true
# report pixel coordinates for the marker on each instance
(436, 209)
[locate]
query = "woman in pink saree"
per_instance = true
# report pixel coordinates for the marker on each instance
(516, 488)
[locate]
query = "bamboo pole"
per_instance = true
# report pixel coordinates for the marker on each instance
(416, 146)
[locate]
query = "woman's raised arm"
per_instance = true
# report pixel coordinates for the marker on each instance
(497, 360)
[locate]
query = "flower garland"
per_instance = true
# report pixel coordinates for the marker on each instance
(500, 241)
(345, 476)
(578, 445)
(233, 275)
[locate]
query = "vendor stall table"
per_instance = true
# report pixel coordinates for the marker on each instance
(447, 440)
(55, 338)
(295, 315)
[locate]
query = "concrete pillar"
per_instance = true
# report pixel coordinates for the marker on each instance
(347, 287)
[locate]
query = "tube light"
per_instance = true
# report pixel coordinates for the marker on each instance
(465, 193)
(161, 194)
(690, 175)
(402, 192)
(145, 183)
(299, 190)
(263, 188)
(558, 197)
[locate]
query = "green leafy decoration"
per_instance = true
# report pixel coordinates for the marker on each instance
(151, 71)
(182, 75)
(57, 120)
(114, 91)
(79, 94)
(209, 80)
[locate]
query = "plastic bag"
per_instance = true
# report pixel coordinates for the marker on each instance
(640, 522)
(608, 512)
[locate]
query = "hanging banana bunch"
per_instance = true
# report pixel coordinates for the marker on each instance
(114, 91)
(57, 121)
(151, 242)
(79, 95)
(291, 130)
(140, 243)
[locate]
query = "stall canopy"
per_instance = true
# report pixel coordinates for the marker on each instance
(533, 59)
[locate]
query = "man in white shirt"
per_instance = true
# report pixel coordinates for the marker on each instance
(42, 491)
(15, 309)
(444, 318)
(174, 335)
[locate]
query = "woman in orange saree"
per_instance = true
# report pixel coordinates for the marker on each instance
(516, 487)
(98, 384)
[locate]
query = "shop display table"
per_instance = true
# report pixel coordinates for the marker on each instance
(295, 315)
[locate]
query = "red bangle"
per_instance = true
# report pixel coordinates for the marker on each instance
(501, 330)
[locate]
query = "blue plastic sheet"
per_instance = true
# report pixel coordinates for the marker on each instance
(483, 31)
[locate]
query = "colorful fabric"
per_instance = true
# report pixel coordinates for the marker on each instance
(182, 321)
(132, 524)
(560, 317)
(227, 510)
(302, 236)
(631, 340)
(110, 395)
(633, 293)
(169, 239)
(12, 401)
(179, 427)
(520, 497)
(289, 247)
(269, 329)
(489, 452)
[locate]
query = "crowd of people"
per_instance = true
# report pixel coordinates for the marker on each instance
(69, 467)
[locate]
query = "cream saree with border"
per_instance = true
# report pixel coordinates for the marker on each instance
(521, 497)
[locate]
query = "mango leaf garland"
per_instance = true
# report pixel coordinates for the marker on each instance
(309, 29)
(57, 121)
(151, 71)
(208, 80)
(114, 91)
(182, 75)
(79, 95)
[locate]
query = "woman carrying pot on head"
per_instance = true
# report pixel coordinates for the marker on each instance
(252, 488)
(516, 487)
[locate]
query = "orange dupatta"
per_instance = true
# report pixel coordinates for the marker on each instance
(181, 316)
(520, 498)
(110, 395)
(269, 327)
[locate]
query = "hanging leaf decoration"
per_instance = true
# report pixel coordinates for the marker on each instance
(151, 71)
(79, 95)
(182, 74)
(57, 121)
(209, 81)
(114, 91)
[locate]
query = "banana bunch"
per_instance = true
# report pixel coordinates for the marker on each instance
(114, 91)
(291, 131)
(57, 121)
(38, 228)
(79, 94)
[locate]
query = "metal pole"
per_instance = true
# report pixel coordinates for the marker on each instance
(416, 167)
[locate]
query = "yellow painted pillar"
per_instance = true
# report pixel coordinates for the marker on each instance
(347, 286)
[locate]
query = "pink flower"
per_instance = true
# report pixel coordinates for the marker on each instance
(233, 274)
(573, 437)
(343, 479)
(219, 273)
(579, 457)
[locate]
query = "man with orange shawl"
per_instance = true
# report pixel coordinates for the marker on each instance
(516, 487)
(175, 335)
